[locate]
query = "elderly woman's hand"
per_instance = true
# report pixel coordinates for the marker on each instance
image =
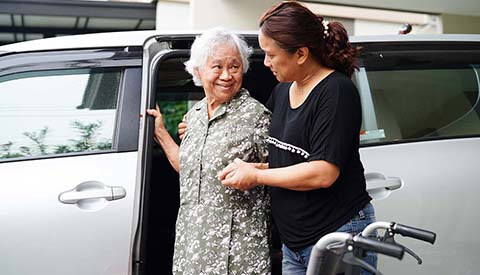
(159, 123)
(239, 175)
(182, 128)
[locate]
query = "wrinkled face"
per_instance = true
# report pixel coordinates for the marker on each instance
(282, 64)
(222, 74)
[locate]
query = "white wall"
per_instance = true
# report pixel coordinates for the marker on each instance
(460, 24)
(244, 15)
(173, 15)
(234, 14)
(367, 27)
(371, 21)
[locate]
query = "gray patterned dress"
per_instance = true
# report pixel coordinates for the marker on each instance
(221, 230)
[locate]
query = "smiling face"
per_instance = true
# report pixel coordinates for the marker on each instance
(282, 64)
(222, 74)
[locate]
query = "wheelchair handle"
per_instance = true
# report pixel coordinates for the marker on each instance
(417, 233)
(388, 249)
(320, 248)
(404, 230)
(370, 229)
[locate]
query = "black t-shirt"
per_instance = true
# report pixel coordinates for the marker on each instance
(325, 127)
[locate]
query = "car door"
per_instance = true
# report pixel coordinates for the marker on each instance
(420, 144)
(167, 84)
(68, 160)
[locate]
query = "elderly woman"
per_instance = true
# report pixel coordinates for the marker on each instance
(219, 230)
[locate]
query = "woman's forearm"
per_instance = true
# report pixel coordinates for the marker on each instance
(300, 177)
(169, 146)
(260, 165)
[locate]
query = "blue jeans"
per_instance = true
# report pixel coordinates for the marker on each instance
(296, 262)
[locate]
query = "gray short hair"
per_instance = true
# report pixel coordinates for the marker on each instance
(205, 44)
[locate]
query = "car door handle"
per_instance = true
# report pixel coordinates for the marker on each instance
(379, 186)
(92, 190)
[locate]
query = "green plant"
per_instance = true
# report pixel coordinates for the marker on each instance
(38, 139)
(6, 148)
(173, 112)
(87, 141)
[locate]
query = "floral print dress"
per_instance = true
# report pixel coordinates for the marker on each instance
(221, 230)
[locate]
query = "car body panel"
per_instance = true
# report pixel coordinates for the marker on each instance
(68, 194)
(439, 194)
(43, 235)
(420, 101)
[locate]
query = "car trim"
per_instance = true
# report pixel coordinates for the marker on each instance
(128, 111)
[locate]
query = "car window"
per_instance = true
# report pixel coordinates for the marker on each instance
(419, 95)
(50, 112)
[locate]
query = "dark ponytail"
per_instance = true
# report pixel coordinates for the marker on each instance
(292, 26)
(338, 53)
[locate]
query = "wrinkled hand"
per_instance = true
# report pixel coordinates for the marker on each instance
(239, 175)
(182, 128)
(157, 114)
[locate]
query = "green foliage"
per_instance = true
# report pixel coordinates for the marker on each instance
(62, 149)
(38, 138)
(87, 141)
(88, 133)
(173, 112)
(5, 151)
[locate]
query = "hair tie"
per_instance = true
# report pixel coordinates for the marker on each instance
(325, 28)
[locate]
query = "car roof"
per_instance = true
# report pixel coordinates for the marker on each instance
(138, 38)
(94, 40)
(417, 38)
(97, 40)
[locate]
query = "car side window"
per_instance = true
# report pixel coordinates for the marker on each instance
(50, 112)
(418, 96)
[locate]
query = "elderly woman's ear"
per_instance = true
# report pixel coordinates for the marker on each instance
(196, 71)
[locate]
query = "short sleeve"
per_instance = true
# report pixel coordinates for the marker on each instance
(335, 124)
(260, 136)
(271, 101)
(189, 117)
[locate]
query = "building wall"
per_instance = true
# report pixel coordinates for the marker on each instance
(372, 21)
(235, 14)
(460, 24)
(370, 27)
(173, 15)
(244, 15)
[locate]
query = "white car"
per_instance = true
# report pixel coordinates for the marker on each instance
(84, 190)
